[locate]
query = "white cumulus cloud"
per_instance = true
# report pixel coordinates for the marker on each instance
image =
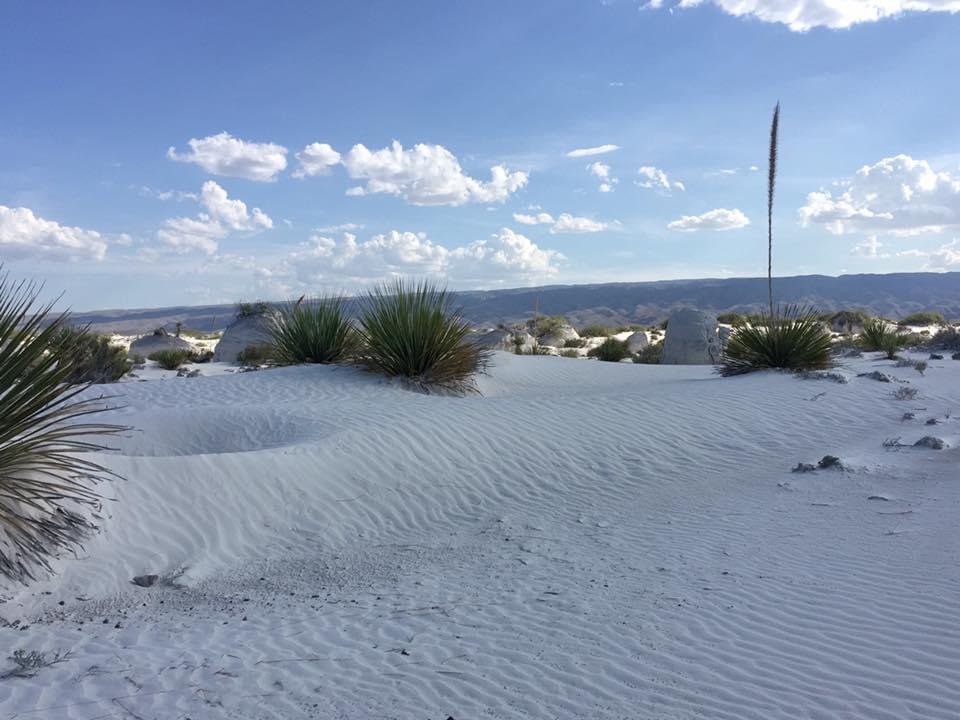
(222, 217)
(870, 248)
(719, 219)
(803, 15)
(590, 151)
(24, 235)
(565, 223)
(898, 195)
(602, 171)
(316, 159)
(426, 175)
(946, 257)
(656, 179)
(223, 154)
(505, 257)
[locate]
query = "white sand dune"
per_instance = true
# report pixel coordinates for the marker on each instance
(584, 540)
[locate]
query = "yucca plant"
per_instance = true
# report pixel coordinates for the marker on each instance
(45, 484)
(414, 332)
(877, 335)
(792, 339)
(314, 332)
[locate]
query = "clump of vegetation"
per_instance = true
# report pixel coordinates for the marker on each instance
(314, 332)
(875, 334)
(413, 332)
(611, 350)
(650, 355)
(91, 358)
(252, 309)
(27, 664)
(256, 355)
(170, 359)
(955, 356)
(792, 339)
(200, 356)
(591, 331)
(924, 318)
(575, 343)
(890, 345)
(830, 461)
(847, 319)
(731, 318)
(45, 483)
(569, 354)
(905, 393)
(947, 338)
(546, 325)
(536, 349)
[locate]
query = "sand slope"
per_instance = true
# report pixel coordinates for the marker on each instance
(585, 540)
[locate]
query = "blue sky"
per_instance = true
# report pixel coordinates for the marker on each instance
(185, 153)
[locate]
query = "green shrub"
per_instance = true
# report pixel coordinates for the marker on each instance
(256, 355)
(413, 332)
(569, 354)
(650, 354)
(251, 309)
(45, 483)
(315, 332)
(546, 325)
(924, 318)
(536, 349)
(170, 359)
(91, 358)
(875, 334)
(610, 350)
(793, 339)
(575, 343)
(890, 344)
(848, 319)
(200, 356)
(591, 331)
(947, 338)
(730, 318)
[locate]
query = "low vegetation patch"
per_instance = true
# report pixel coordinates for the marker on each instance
(924, 318)
(252, 309)
(591, 331)
(876, 335)
(413, 332)
(793, 339)
(947, 338)
(170, 359)
(650, 355)
(314, 332)
(575, 343)
(610, 350)
(91, 358)
(256, 355)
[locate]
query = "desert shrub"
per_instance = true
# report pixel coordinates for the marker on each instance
(316, 332)
(170, 359)
(251, 309)
(137, 360)
(536, 349)
(955, 356)
(924, 318)
(569, 354)
(413, 332)
(730, 318)
(591, 331)
(875, 333)
(920, 366)
(905, 393)
(200, 356)
(793, 339)
(575, 343)
(91, 358)
(256, 355)
(912, 339)
(546, 325)
(650, 355)
(947, 338)
(45, 483)
(848, 319)
(610, 350)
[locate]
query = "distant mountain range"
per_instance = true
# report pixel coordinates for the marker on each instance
(894, 295)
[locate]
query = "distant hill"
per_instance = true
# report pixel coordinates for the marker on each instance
(894, 295)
